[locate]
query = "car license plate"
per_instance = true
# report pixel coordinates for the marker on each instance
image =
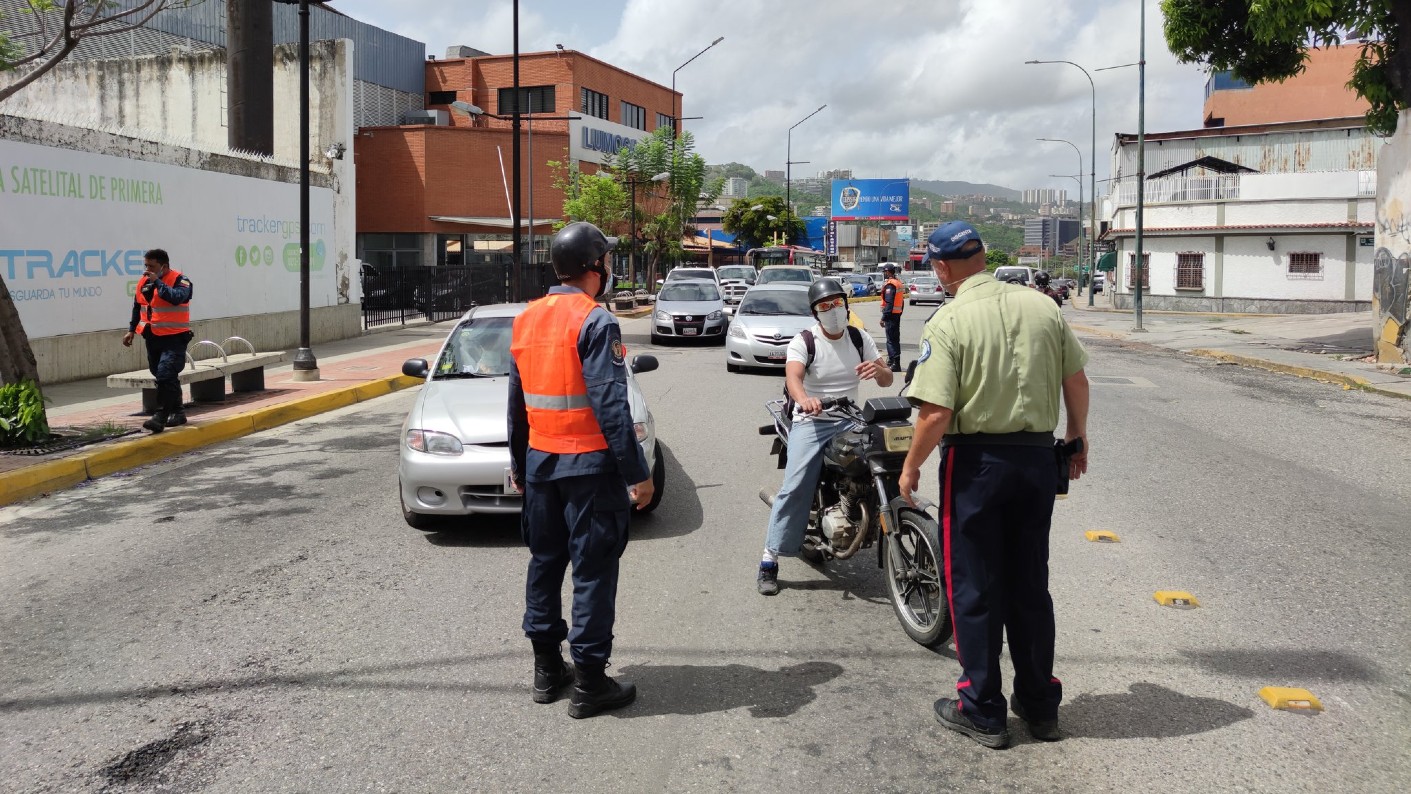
(509, 483)
(778, 355)
(690, 331)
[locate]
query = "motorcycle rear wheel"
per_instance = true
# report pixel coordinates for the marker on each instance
(915, 568)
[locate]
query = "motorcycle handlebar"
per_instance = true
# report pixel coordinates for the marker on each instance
(835, 402)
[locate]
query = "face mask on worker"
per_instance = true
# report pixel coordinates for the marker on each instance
(835, 320)
(606, 280)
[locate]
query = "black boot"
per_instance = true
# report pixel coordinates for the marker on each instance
(157, 423)
(177, 417)
(593, 692)
(551, 675)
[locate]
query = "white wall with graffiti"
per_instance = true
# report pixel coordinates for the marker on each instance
(1391, 276)
(75, 225)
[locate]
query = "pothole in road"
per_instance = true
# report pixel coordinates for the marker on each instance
(142, 768)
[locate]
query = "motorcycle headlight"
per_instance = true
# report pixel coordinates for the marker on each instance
(663, 317)
(715, 315)
(738, 331)
(434, 443)
(641, 429)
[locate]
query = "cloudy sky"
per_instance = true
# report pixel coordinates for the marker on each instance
(930, 89)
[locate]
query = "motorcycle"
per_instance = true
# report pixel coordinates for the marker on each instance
(858, 504)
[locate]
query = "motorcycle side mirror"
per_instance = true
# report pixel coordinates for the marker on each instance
(416, 368)
(644, 363)
(910, 372)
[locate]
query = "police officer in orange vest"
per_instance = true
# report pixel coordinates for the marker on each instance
(575, 454)
(893, 299)
(162, 315)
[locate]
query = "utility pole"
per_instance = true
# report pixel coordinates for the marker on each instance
(1141, 169)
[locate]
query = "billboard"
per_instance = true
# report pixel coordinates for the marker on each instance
(593, 140)
(871, 199)
(76, 225)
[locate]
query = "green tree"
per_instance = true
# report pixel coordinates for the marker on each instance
(686, 187)
(1268, 40)
(600, 199)
(995, 258)
(757, 227)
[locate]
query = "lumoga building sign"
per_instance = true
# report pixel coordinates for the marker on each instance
(74, 226)
(592, 140)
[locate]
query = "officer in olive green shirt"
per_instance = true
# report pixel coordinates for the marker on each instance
(992, 365)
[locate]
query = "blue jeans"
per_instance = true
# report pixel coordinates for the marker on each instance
(789, 518)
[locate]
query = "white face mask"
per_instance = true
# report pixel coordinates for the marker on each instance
(835, 320)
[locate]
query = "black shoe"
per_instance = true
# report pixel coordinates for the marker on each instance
(157, 423)
(551, 676)
(594, 692)
(176, 418)
(948, 714)
(768, 579)
(1043, 730)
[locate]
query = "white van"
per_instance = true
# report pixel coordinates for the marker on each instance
(1016, 273)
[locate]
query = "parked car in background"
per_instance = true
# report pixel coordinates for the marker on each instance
(1099, 281)
(689, 309)
(454, 450)
(860, 284)
(692, 272)
(926, 289)
(735, 281)
(768, 317)
(794, 274)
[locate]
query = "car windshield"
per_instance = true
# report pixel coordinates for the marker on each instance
(695, 273)
(477, 348)
(743, 273)
(689, 292)
(775, 303)
(859, 279)
(772, 275)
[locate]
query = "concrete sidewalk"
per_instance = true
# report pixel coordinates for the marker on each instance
(1325, 347)
(351, 370)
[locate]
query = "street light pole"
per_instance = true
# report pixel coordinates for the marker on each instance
(1079, 152)
(1092, 181)
(1141, 167)
(676, 133)
(1079, 180)
(789, 162)
(518, 233)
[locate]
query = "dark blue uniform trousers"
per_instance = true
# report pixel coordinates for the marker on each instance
(997, 502)
(582, 520)
(891, 324)
(166, 356)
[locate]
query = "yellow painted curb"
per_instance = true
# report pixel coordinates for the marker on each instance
(1347, 381)
(31, 481)
(277, 415)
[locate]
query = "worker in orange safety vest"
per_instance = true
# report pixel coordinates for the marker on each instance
(161, 315)
(893, 300)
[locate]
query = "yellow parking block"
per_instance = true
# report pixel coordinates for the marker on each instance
(1176, 598)
(1290, 698)
(1101, 536)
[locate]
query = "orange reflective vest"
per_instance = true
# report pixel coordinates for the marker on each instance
(898, 296)
(545, 348)
(165, 319)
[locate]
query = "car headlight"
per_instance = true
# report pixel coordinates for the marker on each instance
(434, 443)
(738, 331)
(641, 430)
(715, 315)
(663, 317)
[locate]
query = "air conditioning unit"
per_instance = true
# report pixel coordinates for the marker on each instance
(440, 118)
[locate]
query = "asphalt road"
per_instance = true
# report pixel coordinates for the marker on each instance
(257, 617)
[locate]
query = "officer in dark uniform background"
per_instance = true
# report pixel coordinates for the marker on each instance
(574, 452)
(992, 364)
(893, 301)
(161, 314)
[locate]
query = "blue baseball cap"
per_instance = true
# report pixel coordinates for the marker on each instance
(952, 241)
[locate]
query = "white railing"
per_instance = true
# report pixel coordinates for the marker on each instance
(1175, 189)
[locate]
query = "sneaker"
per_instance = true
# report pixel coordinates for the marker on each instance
(1043, 730)
(948, 714)
(157, 423)
(768, 579)
(174, 419)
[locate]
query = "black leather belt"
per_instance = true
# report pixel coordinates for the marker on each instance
(1024, 438)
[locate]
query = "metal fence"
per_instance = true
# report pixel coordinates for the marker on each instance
(437, 293)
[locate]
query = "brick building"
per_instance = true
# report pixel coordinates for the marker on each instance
(431, 192)
(1319, 92)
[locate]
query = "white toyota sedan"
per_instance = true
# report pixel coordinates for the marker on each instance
(455, 457)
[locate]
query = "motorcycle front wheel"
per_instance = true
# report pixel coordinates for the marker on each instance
(915, 567)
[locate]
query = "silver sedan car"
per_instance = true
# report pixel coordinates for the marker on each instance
(455, 457)
(689, 309)
(768, 318)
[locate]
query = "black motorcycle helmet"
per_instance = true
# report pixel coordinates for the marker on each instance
(889, 269)
(577, 248)
(824, 289)
(1042, 279)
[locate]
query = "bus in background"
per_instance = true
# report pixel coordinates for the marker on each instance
(786, 255)
(915, 265)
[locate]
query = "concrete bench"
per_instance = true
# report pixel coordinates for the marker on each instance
(206, 377)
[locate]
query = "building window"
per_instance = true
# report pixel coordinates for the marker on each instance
(534, 99)
(440, 97)
(1190, 271)
(664, 120)
(634, 116)
(386, 251)
(1305, 265)
(593, 103)
(1132, 271)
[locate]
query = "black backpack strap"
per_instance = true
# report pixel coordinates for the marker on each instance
(808, 343)
(855, 334)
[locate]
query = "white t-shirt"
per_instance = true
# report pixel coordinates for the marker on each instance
(834, 370)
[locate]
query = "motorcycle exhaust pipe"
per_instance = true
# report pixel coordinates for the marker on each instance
(766, 497)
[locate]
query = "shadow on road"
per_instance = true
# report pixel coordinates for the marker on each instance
(680, 512)
(1296, 664)
(1146, 711)
(691, 689)
(857, 578)
(483, 531)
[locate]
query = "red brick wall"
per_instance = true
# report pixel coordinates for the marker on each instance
(1320, 92)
